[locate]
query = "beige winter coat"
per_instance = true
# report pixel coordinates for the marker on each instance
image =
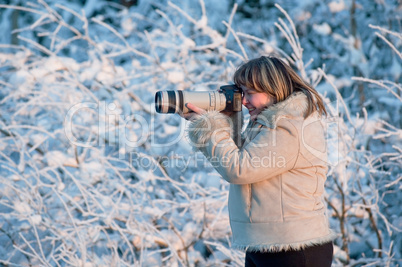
(276, 177)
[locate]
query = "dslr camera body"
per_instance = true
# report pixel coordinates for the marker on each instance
(227, 98)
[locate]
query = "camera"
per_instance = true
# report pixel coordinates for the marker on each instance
(227, 98)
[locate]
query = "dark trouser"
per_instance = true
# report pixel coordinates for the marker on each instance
(315, 256)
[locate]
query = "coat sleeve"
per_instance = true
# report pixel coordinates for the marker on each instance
(270, 153)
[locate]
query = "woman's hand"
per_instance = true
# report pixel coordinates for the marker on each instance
(195, 114)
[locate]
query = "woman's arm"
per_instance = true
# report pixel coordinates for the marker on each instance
(270, 153)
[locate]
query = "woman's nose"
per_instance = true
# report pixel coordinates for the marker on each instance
(244, 100)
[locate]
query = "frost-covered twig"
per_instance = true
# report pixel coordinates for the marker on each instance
(389, 43)
(338, 95)
(388, 85)
(128, 46)
(181, 11)
(293, 40)
(251, 37)
(392, 131)
(229, 23)
(245, 57)
(22, 8)
(373, 222)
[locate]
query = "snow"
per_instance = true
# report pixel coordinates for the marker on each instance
(322, 29)
(176, 77)
(22, 207)
(337, 6)
(91, 175)
(55, 158)
(36, 219)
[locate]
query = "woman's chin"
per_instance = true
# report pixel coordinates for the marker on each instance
(253, 114)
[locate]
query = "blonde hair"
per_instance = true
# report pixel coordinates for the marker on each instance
(269, 74)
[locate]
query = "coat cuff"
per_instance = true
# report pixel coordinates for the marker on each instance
(212, 126)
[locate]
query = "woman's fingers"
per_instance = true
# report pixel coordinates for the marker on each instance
(192, 116)
(196, 109)
(195, 113)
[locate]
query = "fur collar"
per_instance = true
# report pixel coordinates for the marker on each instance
(294, 106)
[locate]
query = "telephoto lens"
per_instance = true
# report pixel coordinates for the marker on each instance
(174, 101)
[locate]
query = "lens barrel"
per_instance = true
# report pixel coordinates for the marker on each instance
(158, 102)
(169, 101)
(174, 101)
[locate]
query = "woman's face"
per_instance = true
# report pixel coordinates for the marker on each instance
(255, 101)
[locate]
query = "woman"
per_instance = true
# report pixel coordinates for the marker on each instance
(276, 209)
